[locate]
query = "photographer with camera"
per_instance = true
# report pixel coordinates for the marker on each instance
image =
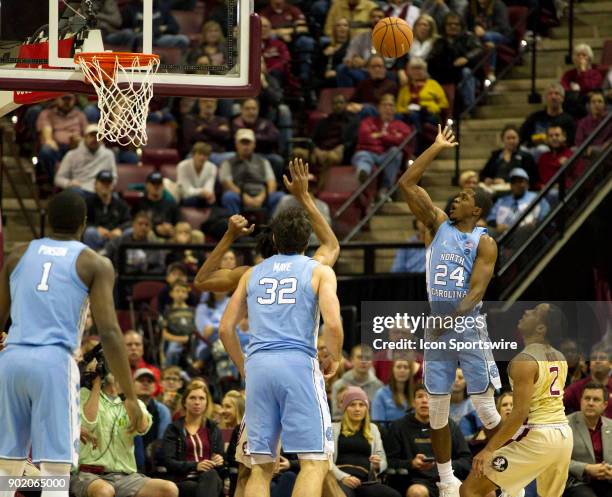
(107, 465)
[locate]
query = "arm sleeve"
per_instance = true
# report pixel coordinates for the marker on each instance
(86, 423)
(268, 171)
(225, 172)
(378, 404)
(211, 176)
(399, 456)
(170, 453)
(63, 175)
(378, 448)
(184, 182)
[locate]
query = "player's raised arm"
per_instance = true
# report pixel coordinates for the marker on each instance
(212, 279)
(417, 198)
(105, 318)
(329, 250)
(524, 372)
(330, 310)
(482, 272)
(235, 312)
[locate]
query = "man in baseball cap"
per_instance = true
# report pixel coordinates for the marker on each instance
(163, 208)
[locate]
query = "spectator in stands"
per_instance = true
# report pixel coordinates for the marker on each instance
(453, 55)
(424, 34)
(533, 130)
(600, 368)
(504, 404)
(332, 55)
(175, 271)
(165, 27)
(587, 125)
(378, 141)
(488, 19)
(576, 366)
(393, 400)
(266, 134)
(508, 208)
(420, 99)
(196, 177)
(356, 11)
(403, 9)
(80, 166)
(580, 80)
(591, 468)
(191, 259)
(207, 127)
(178, 327)
(334, 138)
(361, 376)
(172, 382)
(61, 127)
(408, 443)
(550, 162)
(275, 53)
(248, 178)
(496, 172)
(108, 466)
(462, 411)
(359, 455)
(208, 315)
(135, 350)
(144, 385)
(213, 45)
(163, 208)
(436, 9)
(233, 410)
(108, 17)
(411, 260)
(289, 23)
(359, 51)
(107, 214)
(136, 260)
(193, 446)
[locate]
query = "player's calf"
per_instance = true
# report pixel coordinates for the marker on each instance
(474, 486)
(258, 484)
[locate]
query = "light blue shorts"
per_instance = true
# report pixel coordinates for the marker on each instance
(286, 398)
(39, 404)
(478, 365)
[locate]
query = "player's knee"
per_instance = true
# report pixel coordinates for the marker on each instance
(99, 488)
(317, 469)
(484, 404)
(439, 407)
(417, 490)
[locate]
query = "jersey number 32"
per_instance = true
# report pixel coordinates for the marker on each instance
(278, 291)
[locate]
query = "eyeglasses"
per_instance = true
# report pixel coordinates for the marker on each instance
(172, 378)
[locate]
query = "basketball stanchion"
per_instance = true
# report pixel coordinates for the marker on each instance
(123, 102)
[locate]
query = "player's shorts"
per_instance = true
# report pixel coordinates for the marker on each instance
(478, 365)
(541, 453)
(286, 398)
(243, 455)
(124, 485)
(39, 404)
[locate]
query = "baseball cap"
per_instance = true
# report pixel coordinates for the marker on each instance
(92, 128)
(105, 176)
(155, 177)
(518, 172)
(245, 134)
(143, 372)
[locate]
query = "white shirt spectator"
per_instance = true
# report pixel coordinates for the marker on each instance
(192, 183)
(80, 166)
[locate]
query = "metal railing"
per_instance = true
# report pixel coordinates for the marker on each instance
(569, 190)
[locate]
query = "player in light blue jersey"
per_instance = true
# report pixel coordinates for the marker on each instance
(46, 286)
(459, 265)
(285, 390)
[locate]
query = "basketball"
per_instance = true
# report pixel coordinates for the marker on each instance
(392, 37)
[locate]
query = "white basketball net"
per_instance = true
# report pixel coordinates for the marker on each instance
(123, 109)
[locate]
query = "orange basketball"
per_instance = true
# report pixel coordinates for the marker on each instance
(392, 37)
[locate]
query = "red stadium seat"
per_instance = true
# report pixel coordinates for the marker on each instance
(168, 171)
(325, 104)
(606, 54)
(195, 216)
(130, 176)
(158, 156)
(146, 291)
(160, 136)
(125, 320)
(169, 55)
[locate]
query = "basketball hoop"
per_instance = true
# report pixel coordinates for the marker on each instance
(124, 107)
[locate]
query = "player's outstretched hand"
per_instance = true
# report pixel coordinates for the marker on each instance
(134, 413)
(446, 138)
(238, 226)
(298, 170)
(480, 461)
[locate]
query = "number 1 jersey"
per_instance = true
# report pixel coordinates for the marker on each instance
(449, 261)
(282, 306)
(49, 302)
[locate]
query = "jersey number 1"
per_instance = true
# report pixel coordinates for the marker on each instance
(43, 286)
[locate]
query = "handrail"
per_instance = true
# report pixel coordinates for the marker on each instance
(373, 176)
(560, 174)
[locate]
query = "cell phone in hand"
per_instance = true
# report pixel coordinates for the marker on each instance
(429, 459)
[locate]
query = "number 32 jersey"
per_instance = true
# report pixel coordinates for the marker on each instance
(282, 306)
(49, 302)
(449, 261)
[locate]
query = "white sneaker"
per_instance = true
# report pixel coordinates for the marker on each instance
(506, 494)
(449, 489)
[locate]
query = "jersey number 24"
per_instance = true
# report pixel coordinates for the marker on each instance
(441, 272)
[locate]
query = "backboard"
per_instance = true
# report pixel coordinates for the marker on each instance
(39, 38)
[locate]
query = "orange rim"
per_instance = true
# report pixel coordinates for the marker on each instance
(108, 61)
